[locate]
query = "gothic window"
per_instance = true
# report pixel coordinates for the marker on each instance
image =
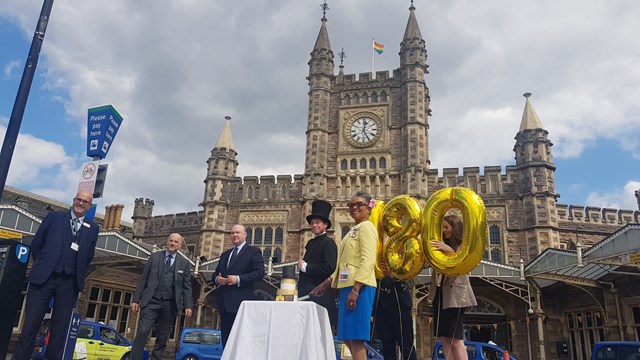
(356, 99)
(485, 255)
(258, 236)
(384, 96)
(354, 164)
(346, 100)
(365, 98)
(268, 236)
(494, 235)
(372, 163)
(345, 230)
(249, 235)
(496, 255)
(363, 163)
(485, 307)
(279, 233)
(277, 255)
(374, 98)
(266, 254)
(343, 165)
(383, 163)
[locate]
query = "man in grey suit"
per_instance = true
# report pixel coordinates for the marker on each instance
(163, 289)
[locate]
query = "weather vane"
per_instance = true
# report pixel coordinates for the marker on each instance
(342, 55)
(412, 7)
(324, 7)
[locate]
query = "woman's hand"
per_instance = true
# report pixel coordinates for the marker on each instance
(440, 245)
(320, 289)
(352, 298)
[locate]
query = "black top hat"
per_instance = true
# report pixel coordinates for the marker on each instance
(320, 209)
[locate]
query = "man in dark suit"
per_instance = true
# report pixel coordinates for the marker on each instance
(320, 257)
(163, 289)
(239, 268)
(62, 249)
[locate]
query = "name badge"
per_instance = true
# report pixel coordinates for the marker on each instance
(74, 246)
(86, 225)
(344, 275)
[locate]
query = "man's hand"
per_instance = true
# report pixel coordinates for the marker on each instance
(300, 263)
(232, 280)
(188, 313)
(135, 307)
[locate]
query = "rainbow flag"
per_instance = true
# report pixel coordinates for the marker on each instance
(379, 48)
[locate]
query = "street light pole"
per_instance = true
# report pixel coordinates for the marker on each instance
(13, 128)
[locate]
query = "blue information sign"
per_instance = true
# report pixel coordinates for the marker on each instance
(102, 127)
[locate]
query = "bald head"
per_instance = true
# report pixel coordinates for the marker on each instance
(82, 202)
(174, 243)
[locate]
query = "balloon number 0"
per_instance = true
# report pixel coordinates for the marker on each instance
(402, 220)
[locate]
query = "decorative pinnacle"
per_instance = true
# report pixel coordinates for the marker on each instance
(528, 94)
(324, 7)
(227, 117)
(342, 55)
(412, 7)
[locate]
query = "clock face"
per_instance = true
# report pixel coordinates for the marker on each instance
(363, 131)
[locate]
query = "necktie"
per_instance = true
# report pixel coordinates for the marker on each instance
(74, 226)
(233, 254)
(168, 261)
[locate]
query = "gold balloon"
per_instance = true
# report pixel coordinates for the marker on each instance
(401, 221)
(474, 236)
(376, 218)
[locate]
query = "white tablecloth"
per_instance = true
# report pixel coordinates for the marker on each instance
(279, 330)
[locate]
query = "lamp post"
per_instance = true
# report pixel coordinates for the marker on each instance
(13, 128)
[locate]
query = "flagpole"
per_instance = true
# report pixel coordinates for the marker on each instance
(373, 58)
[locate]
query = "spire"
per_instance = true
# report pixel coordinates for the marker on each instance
(322, 42)
(413, 30)
(225, 140)
(530, 119)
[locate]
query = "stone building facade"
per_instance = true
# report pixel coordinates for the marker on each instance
(371, 132)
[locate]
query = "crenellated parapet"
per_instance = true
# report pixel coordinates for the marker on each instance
(579, 214)
(491, 181)
(269, 188)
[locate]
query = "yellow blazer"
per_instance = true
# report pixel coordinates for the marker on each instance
(357, 254)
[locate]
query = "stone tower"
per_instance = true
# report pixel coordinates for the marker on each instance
(536, 184)
(142, 212)
(221, 171)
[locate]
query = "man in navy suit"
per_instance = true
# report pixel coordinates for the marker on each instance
(62, 249)
(163, 290)
(239, 268)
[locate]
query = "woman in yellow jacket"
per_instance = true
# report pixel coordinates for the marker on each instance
(355, 277)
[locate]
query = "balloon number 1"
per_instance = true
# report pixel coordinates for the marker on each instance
(402, 220)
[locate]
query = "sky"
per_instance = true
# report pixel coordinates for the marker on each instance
(175, 69)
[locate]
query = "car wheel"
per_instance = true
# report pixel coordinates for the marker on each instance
(126, 356)
(189, 357)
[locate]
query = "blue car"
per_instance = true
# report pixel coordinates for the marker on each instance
(476, 351)
(199, 344)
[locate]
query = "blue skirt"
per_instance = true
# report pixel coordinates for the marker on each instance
(356, 324)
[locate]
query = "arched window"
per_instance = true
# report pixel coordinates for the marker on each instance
(383, 163)
(494, 235)
(365, 99)
(249, 235)
(356, 99)
(496, 255)
(363, 163)
(343, 165)
(354, 164)
(372, 163)
(383, 96)
(268, 236)
(279, 236)
(374, 98)
(345, 230)
(346, 100)
(258, 236)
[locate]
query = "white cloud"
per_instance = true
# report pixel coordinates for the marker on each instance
(620, 198)
(10, 68)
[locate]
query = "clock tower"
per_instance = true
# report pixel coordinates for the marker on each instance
(368, 131)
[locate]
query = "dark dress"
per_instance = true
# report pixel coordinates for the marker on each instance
(447, 322)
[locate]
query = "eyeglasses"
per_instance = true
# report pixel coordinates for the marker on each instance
(82, 201)
(357, 204)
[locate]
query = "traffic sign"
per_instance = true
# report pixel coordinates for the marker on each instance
(102, 127)
(88, 175)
